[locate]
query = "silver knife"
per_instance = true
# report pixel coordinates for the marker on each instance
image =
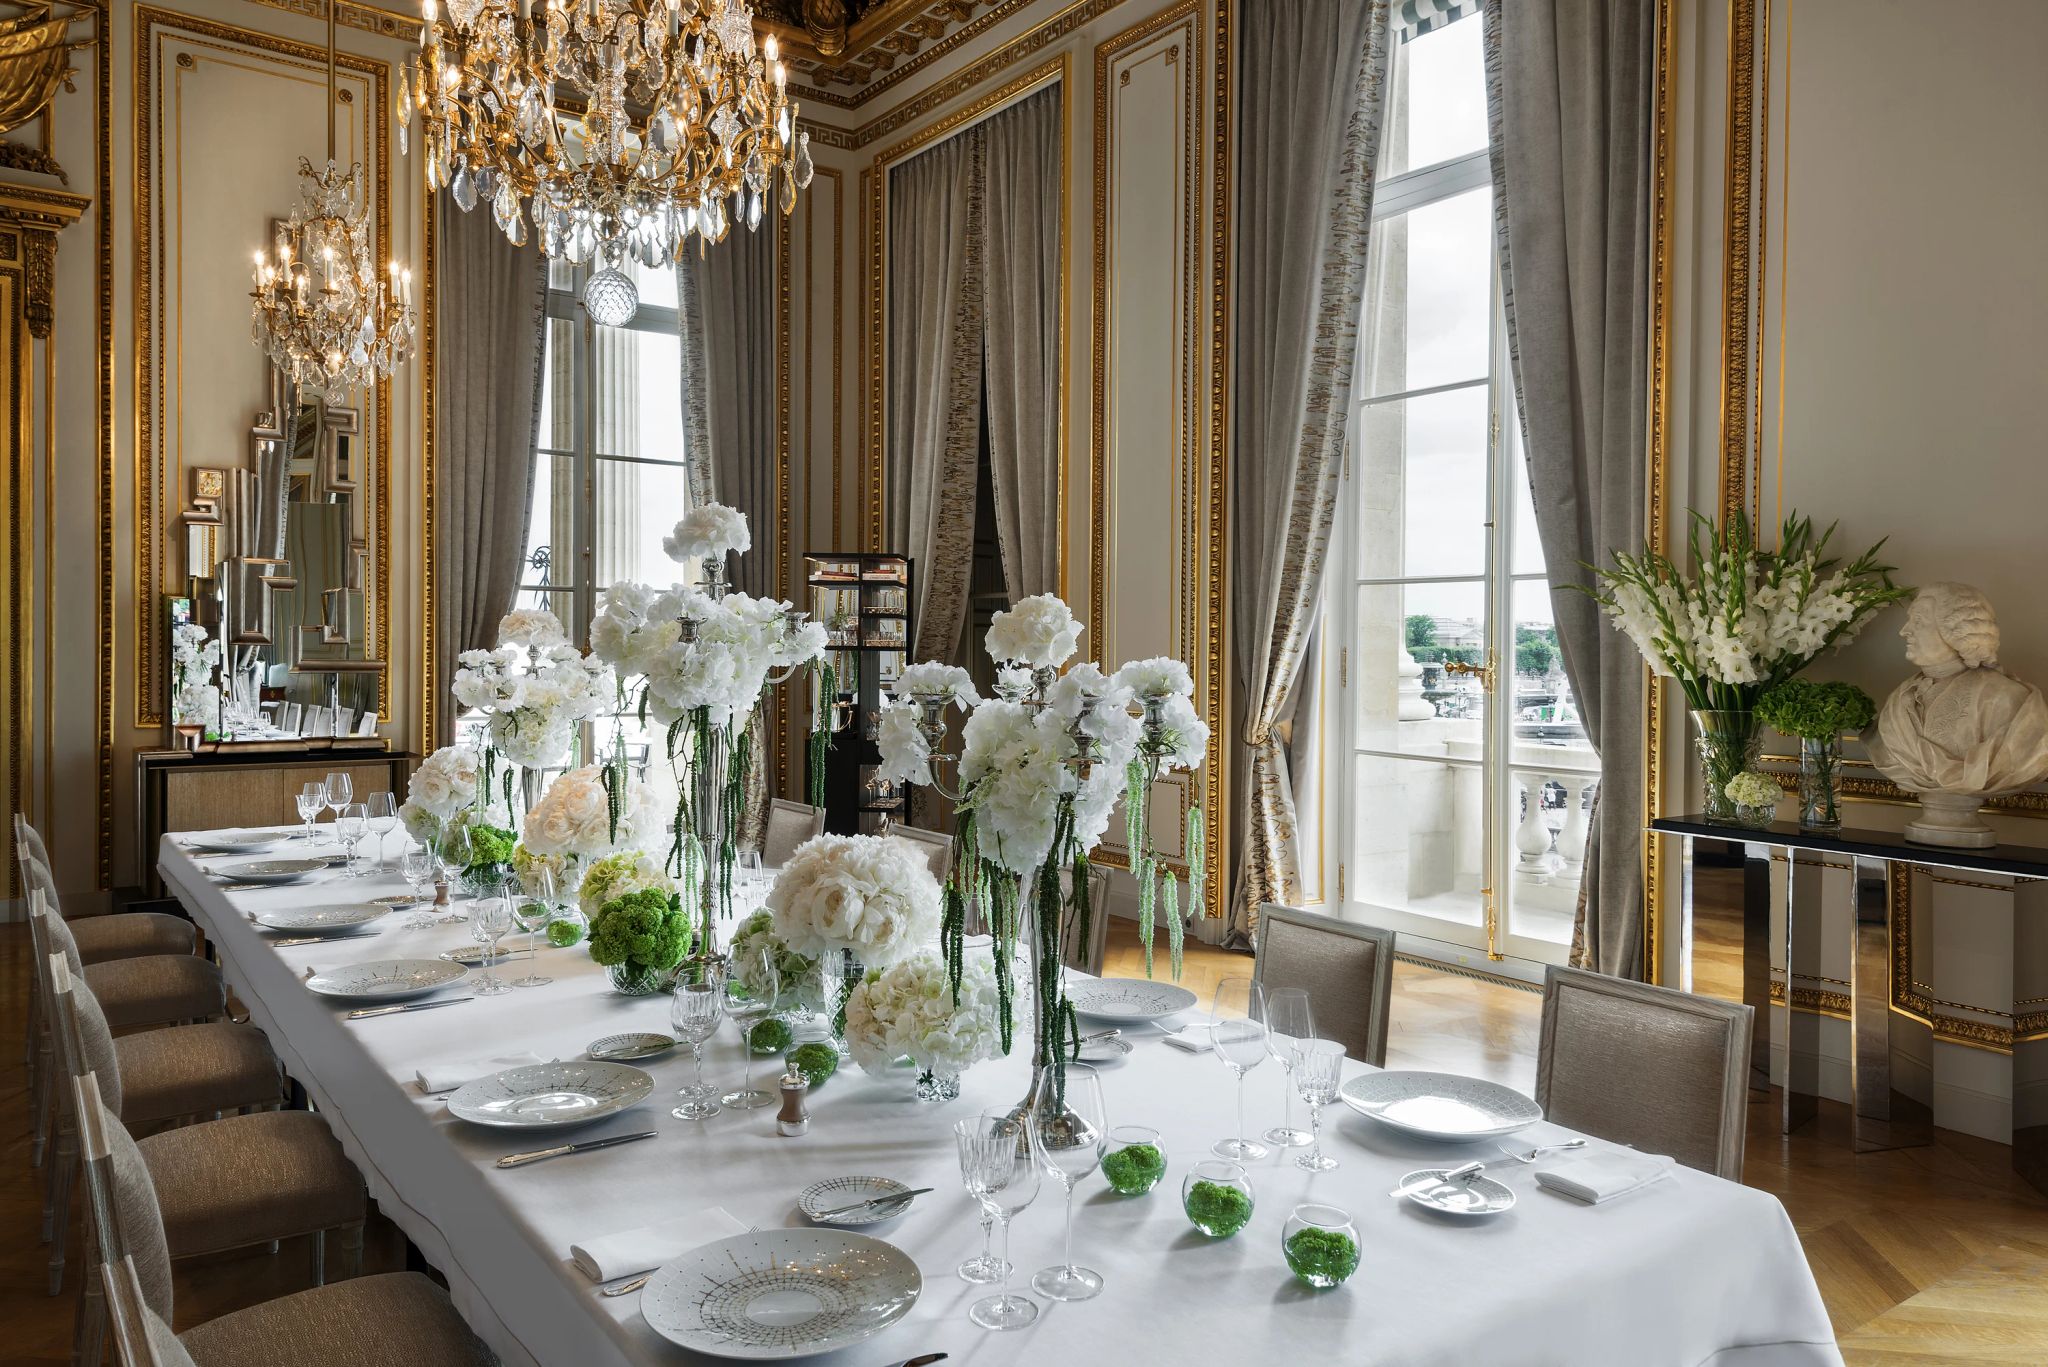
(1449, 1179)
(924, 1361)
(370, 1011)
(515, 1160)
(888, 1200)
(310, 940)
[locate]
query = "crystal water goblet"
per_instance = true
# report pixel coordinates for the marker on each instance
(985, 1268)
(695, 1010)
(1002, 1173)
(340, 788)
(311, 801)
(1318, 1069)
(1067, 1135)
(417, 868)
(1237, 1034)
(1289, 1020)
(351, 824)
(489, 920)
(750, 1004)
(531, 913)
(383, 809)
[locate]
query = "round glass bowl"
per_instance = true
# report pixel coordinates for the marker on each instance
(1321, 1245)
(1217, 1197)
(1134, 1163)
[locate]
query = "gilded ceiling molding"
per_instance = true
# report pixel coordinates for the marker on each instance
(367, 18)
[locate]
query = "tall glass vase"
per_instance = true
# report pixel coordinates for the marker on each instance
(1729, 742)
(1819, 761)
(708, 829)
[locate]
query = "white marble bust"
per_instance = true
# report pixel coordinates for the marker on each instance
(1962, 729)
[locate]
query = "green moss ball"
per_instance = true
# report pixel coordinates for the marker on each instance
(1134, 1170)
(768, 1036)
(1217, 1210)
(816, 1061)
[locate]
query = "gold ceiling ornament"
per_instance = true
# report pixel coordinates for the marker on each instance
(323, 313)
(618, 127)
(35, 57)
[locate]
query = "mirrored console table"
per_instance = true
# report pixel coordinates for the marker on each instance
(1882, 1116)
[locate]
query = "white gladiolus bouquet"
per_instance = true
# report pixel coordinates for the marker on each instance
(576, 816)
(1746, 619)
(869, 894)
(912, 1010)
(709, 530)
(616, 875)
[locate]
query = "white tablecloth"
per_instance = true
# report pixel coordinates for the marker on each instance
(1694, 1270)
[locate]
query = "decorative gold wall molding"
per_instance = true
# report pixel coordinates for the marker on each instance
(1875, 788)
(1917, 999)
(1657, 487)
(785, 267)
(1738, 253)
(368, 18)
(151, 478)
(430, 728)
(17, 522)
(838, 338)
(104, 360)
(1223, 58)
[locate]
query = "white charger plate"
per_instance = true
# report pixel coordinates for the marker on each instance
(332, 918)
(386, 980)
(238, 842)
(1446, 1107)
(1128, 999)
(269, 872)
(550, 1096)
(776, 1294)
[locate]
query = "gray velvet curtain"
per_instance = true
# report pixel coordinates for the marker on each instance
(1313, 80)
(727, 306)
(1570, 86)
(1022, 293)
(491, 302)
(933, 356)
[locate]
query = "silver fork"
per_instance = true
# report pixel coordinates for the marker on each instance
(1532, 1154)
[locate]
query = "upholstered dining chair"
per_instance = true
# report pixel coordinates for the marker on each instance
(227, 1183)
(1347, 970)
(389, 1320)
(936, 846)
(789, 825)
(1661, 1070)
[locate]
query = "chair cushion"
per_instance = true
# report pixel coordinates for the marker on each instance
(130, 934)
(397, 1319)
(157, 989)
(196, 1070)
(248, 1179)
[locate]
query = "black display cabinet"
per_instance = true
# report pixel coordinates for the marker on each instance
(863, 601)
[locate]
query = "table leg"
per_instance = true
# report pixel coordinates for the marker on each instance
(1885, 1117)
(1803, 908)
(2030, 1032)
(1756, 963)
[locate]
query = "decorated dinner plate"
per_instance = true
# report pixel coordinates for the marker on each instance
(1102, 1051)
(776, 1294)
(268, 871)
(1440, 1106)
(1128, 999)
(836, 1192)
(1474, 1196)
(335, 918)
(386, 980)
(632, 1045)
(238, 842)
(550, 1096)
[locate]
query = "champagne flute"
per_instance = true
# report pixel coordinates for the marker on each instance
(1001, 1173)
(1318, 1068)
(531, 913)
(1066, 1138)
(383, 821)
(1289, 1021)
(312, 800)
(1237, 1032)
(694, 1011)
(351, 823)
(489, 919)
(417, 867)
(340, 788)
(749, 1003)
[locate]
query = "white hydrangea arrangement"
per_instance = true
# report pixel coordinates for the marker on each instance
(798, 978)
(869, 894)
(531, 629)
(1039, 632)
(578, 817)
(616, 875)
(711, 529)
(912, 1010)
(1753, 788)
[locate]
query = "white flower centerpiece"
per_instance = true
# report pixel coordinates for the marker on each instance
(915, 1009)
(1042, 767)
(195, 698)
(535, 690)
(581, 819)
(1745, 620)
(697, 662)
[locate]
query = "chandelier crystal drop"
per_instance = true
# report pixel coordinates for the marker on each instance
(323, 312)
(609, 128)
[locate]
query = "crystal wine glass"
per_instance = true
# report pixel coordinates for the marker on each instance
(695, 1010)
(1289, 1020)
(1318, 1069)
(985, 1268)
(312, 800)
(340, 788)
(1001, 1172)
(351, 824)
(452, 851)
(531, 913)
(417, 867)
(749, 1004)
(1067, 1138)
(383, 809)
(490, 919)
(1237, 1032)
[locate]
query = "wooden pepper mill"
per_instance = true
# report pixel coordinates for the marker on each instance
(793, 1119)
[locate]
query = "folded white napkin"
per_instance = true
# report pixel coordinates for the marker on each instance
(1194, 1039)
(639, 1250)
(1601, 1176)
(446, 1077)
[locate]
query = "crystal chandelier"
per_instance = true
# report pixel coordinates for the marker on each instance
(322, 312)
(618, 127)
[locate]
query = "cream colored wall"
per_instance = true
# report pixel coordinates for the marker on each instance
(1897, 311)
(193, 179)
(1142, 486)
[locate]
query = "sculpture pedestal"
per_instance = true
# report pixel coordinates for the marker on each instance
(1951, 820)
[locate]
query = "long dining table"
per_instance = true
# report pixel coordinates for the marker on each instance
(1689, 1271)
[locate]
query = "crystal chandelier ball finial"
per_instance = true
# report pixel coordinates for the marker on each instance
(611, 298)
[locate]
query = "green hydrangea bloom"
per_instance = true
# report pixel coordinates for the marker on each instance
(1816, 711)
(816, 1061)
(645, 928)
(490, 844)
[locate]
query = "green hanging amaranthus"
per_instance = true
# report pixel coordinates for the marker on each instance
(820, 739)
